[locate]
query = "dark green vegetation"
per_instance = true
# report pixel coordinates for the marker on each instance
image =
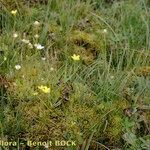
(101, 101)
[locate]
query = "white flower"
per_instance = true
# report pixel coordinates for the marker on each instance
(39, 46)
(36, 36)
(25, 41)
(111, 77)
(35, 45)
(5, 58)
(17, 67)
(46, 146)
(43, 58)
(15, 35)
(105, 31)
(51, 68)
(30, 45)
(36, 23)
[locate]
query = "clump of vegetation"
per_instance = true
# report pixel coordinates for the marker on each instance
(86, 45)
(144, 71)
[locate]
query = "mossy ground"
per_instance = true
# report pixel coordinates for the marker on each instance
(101, 101)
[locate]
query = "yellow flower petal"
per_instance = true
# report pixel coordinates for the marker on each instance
(14, 12)
(44, 89)
(75, 57)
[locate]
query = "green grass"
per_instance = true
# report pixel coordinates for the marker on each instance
(100, 101)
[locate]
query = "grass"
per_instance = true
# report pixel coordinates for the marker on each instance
(100, 101)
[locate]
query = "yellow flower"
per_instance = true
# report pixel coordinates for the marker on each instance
(75, 57)
(14, 12)
(44, 89)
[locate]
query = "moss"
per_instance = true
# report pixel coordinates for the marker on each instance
(81, 120)
(35, 121)
(81, 38)
(11, 4)
(143, 71)
(114, 128)
(111, 125)
(86, 44)
(54, 27)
